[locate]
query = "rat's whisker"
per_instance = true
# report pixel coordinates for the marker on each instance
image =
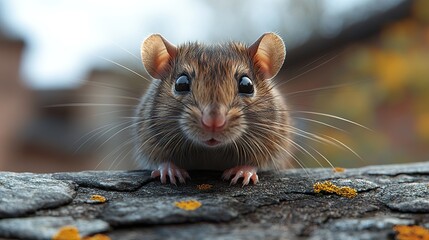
(100, 134)
(248, 142)
(290, 94)
(126, 68)
(114, 112)
(345, 146)
(266, 128)
(111, 96)
(318, 114)
(326, 139)
(113, 164)
(321, 123)
(304, 151)
(91, 83)
(114, 151)
(126, 50)
(115, 134)
(320, 154)
(309, 70)
(305, 67)
(308, 135)
(332, 116)
(89, 105)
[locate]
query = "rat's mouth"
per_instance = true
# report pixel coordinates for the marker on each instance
(212, 142)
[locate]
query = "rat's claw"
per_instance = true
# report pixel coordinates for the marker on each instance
(155, 173)
(182, 175)
(171, 175)
(250, 175)
(163, 175)
(238, 175)
(246, 172)
(172, 171)
(227, 174)
(246, 178)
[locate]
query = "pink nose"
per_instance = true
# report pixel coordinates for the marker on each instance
(213, 121)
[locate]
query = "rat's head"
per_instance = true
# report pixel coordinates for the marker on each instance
(214, 92)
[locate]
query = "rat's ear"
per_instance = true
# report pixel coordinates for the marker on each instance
(156, 52)
(268, 54)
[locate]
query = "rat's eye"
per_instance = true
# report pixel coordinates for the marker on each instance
(245, 85)
(182, 84)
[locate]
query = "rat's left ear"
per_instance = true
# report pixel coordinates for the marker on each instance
(268, 54)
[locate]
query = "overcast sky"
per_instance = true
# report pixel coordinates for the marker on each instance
(66, 39)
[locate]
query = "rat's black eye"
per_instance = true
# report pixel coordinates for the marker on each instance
(183, 84)
(245, 86)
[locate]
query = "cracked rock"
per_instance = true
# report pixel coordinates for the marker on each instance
(114, 180)
(282, 205)
(396, 169)
(46, 227)
(24, 193)
(360, 229)
(407, 197)
(360, 185)
(155, 210)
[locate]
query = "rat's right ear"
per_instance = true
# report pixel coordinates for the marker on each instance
(156, 53)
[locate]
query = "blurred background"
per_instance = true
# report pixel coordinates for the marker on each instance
(71, 75)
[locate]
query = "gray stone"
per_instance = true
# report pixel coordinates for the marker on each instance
(396, 169)
(407, 197)
(46, 227)
(375, 223)
(282, 205)
(24, 193)
(360, 185)
(207, 231)
(360, 229)
(155, 210)
(113, 180)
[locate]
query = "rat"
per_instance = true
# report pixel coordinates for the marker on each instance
(212, 107)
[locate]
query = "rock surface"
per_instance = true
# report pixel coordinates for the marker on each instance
(25, 193)
(282, 206)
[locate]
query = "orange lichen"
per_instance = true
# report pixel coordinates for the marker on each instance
(338, 169)
(97, 237)
(329, 187)
(98, 198)
(72, 233)
(204, 186)
(67, 233)
(404, 232)
(189, 205)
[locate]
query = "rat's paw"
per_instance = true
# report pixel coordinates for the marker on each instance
(172, 171)
(245, 172)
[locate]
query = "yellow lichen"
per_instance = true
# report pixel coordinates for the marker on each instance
(404, 232)
(338, 169)
(72, 233)
(204, 187)
(98, 198)
(189, 205)
(329, 187)
(67, 233)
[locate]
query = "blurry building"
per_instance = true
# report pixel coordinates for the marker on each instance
(89, 127)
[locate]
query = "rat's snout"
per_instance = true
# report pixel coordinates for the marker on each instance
(213, 118)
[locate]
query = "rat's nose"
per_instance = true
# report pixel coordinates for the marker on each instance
(213, 119)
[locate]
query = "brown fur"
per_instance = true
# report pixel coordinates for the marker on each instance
(169, 124)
